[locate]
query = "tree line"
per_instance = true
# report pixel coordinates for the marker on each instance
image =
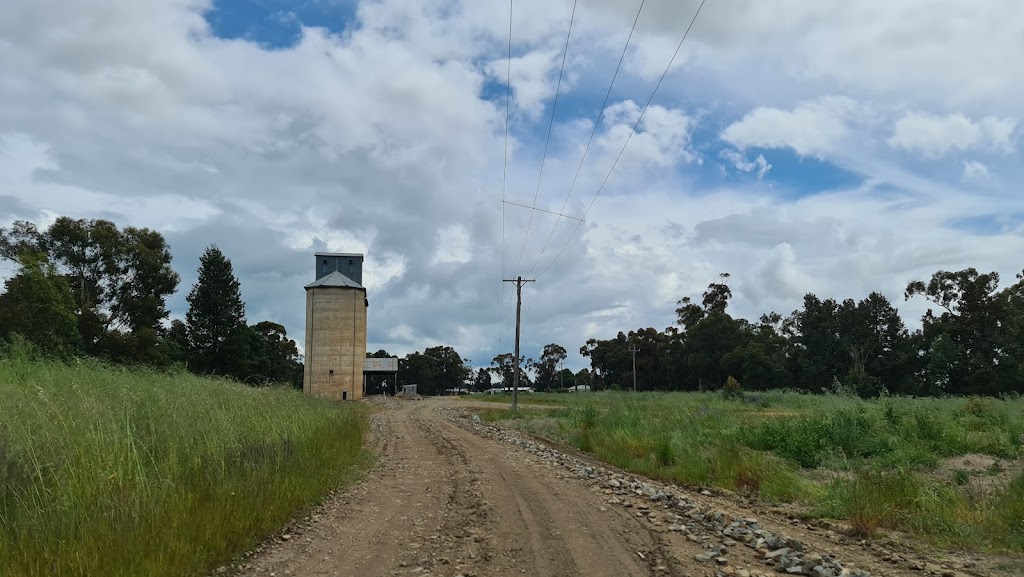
(442, 370)
(971, 342)
(87, 287)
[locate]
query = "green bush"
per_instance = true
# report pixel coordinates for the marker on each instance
(801, 439)
(732, 391)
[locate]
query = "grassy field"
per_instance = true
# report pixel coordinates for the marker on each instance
(887, 463)
(108, 471)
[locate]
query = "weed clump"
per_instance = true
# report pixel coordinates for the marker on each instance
(732, 391)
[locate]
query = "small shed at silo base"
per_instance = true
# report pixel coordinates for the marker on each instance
(336, 306)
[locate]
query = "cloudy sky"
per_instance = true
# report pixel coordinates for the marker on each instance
(801, 146)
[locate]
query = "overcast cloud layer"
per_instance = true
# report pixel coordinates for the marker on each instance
(798, 145)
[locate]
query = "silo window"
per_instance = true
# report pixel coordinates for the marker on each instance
(349, 262)
(324, 262)
(331, 372)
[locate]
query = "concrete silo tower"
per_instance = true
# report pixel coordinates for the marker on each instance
(336, 328)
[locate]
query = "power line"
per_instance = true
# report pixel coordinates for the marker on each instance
(597, 122)
(504, 172)
(558, 214)
(547, 141)
(628, 138)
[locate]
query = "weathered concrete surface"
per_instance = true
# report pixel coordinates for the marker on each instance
(335, 342)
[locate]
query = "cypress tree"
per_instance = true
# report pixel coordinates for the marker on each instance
(215, 322)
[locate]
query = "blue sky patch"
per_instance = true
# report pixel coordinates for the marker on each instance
(988, 224)
(277, 23)
(804, 175)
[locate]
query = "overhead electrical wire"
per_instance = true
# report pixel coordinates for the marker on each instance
(628, 138)
(547, 141)
(504, 172)
(593, 132)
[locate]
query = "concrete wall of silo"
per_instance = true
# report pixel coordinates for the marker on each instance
(335, 342)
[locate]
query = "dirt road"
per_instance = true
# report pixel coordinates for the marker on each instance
(452, 497)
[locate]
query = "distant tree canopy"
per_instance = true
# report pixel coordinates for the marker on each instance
(119, 281)
(546, 368)
(87, 287)
(434, 371)
(37, 304)
(973, 345)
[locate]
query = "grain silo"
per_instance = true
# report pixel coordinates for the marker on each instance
(336, 327)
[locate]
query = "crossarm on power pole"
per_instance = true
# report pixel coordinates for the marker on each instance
(519, 282)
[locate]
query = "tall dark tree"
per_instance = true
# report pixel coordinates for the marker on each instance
(649, 360)
(583, 377)
(761, 362)
(873, 334)
(716, 297)
(971, 320)
(1012, 337)
(546, 367)
(273, 357)
(821, 357)
(482, 381)
(450, 369)
(708, 345)
(689, 313)
(37, 304)
(434, 371)
(416, 369)
(217, 334)
(175, 343)
(610, 361)
(503, 367)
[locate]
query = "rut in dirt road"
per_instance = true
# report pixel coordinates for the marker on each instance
(445, 502)
(450, 497)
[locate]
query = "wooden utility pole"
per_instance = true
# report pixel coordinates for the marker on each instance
(520, 281)
(634, 349)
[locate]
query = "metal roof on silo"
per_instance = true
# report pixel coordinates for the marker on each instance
(335, 279)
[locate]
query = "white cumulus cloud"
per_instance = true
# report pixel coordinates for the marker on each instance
(934, 136)
(812, 128)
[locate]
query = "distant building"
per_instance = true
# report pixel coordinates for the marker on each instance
(336, 306)
(508, 390)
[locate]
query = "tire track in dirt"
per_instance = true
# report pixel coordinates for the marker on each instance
(377, 526)
(549, 526)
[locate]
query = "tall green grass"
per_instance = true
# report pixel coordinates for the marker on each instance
(882, 454)
(110, 471)
(698, 444)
